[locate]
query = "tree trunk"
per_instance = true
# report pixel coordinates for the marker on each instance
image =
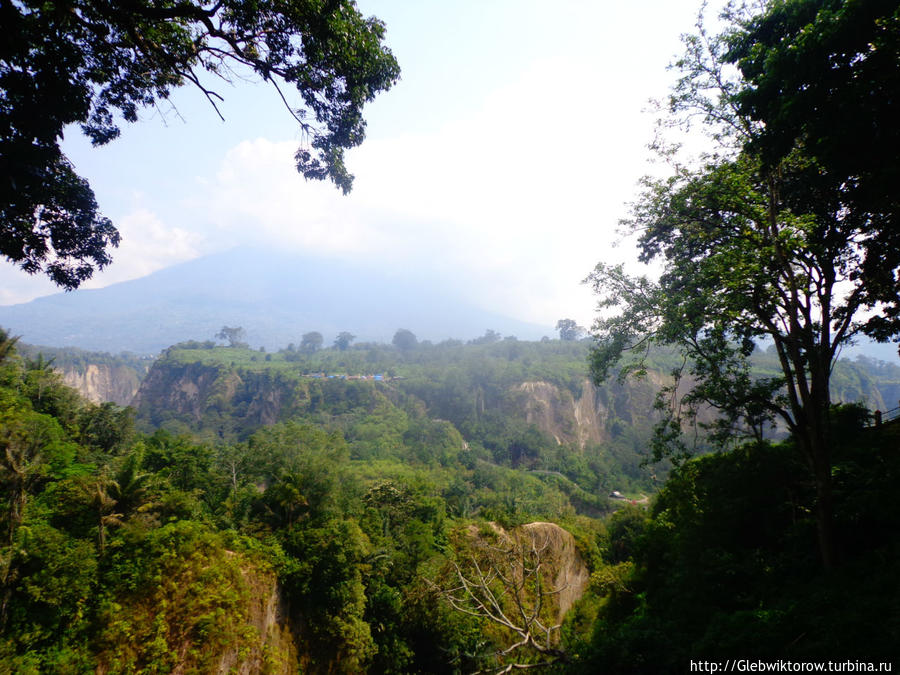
(818, 452)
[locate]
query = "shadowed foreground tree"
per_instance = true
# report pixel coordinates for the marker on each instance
(825, 73)
(95, 63)
(748, 251)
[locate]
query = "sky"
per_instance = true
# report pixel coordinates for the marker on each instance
(502, 160)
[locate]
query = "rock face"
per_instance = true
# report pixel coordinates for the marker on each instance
(276, 651)
(571, 574)
(185, 390)
(101, 383)
(196, 392)
(546, 546)
(588, 417)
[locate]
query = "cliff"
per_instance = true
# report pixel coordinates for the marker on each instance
(101, 382)
(591, 416)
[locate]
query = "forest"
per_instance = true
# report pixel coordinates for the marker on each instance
(698, 483)
(378, 520)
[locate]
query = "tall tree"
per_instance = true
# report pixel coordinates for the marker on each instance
(825, 75)
(311, 342)
(569, 330)
(85, 62)
(233, 335)
(343, 340)
(404, 340)
(749, 251)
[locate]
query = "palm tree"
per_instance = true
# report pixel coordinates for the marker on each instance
(7, 345)
(115, 498)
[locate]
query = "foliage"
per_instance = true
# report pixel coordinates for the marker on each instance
(723, 564)
(569, 329)
(233, 335)
(822, 74)
(404, 340)
(343, 340)
(93, 62)
(749, 250)
(311, 342)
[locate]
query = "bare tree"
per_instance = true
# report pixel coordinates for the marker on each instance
(515, 583)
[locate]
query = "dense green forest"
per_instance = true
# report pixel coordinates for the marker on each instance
(354, 512)
(136, 553)
(700, 484)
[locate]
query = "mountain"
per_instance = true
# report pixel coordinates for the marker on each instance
(274, 297)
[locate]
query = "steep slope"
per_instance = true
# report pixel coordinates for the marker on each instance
(588, 417)
(98, 376)
(102, 383)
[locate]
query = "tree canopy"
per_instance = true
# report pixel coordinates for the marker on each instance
(343, 340)
(825, 75)
(404, 339)
(94, 64)
(750, 249)
(569, 330)
(235, 336)
(311, 342)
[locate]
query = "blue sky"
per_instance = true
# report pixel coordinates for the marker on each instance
(502, 160)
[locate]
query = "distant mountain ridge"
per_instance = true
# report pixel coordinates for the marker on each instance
(275, 297)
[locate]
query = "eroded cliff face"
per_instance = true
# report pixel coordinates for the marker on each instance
(103, 383)
(196, 393)
(546, 549)
(274, 651)
(589, 416)
(187, 390)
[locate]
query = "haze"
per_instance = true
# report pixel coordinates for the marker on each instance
(499, 164)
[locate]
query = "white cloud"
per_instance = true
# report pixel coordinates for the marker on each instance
(518, 200)
(147, 245)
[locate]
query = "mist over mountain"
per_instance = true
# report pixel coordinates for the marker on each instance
(274, 297)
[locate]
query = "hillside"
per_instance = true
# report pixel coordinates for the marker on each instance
(325, 542)
(523, 405)
(98, 376)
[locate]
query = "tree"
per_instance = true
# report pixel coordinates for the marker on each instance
(115, 497)
(311, 342)
(404, 340)
(233, 336)
(86, 63)
(343, 340)
(748, 251)
(823, 75)
(569, 330)
(7, 345)
(514, 583)
(490, 337)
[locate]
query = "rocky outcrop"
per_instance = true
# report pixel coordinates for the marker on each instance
(571, 575)
(275, 651)
(102, 383)
(546, 549)
(588, 417)
(186, 390)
